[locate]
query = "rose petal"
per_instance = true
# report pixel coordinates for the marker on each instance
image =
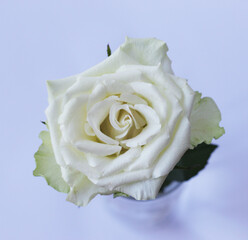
(151, 151)
(83, 85)
(82, 190)
(138, 120)
(114, 86)
(143, 190)
(88, 130)
(111, 182)
(113, 114)
(187, 97)
(152, 128)
(168, 159)
(97, 161)
(124, 134)
(58, 87)
(98, 94)
(109, 86)
(115, 108)
(96, 116)
(52, 114)
(132, 99)
(100, 149)
(111, 64)
(150, 51)
(77, 160)
(151, 94)
(72, 119)
(157, 77)
(121, 161)
(109, 130)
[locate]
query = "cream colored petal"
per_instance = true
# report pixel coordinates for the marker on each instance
(124, 134)
(88, 130)
(77, 160)
(143, 190)
(120, 162)
(149, 51)
(112, 130)
(122, 77)
(138, 120)
(97, 114)
(132, 99)
(52, 113)
(156, 76)
(113, 86)
(83, 85)
(187, 97)
(153, 127)
(152, 150)
(113, 181)
(72, 119)
(125, 120)
(98, 94)
(97, 161)
(169, 158)
(110, 64)
(113, 114)
(82, 190)
(153, 96)
(99, 149)
(57, 88)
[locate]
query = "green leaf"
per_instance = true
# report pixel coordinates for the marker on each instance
(46, 165)
(192, 162)
(120, 194)
(108, 50)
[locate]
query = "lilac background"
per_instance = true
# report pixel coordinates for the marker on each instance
(50, 39)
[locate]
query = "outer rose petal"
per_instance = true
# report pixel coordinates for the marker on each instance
(58, 87)
(46, 165)
(143, 190)
(204, 119)
(52, 112)
(82, 190)
(150, 51)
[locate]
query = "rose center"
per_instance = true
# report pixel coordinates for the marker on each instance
(122, 122)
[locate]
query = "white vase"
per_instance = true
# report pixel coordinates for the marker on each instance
(145, 213)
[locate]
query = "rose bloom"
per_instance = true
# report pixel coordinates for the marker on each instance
(124, 124)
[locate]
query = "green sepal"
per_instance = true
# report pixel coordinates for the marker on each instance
(120, 194)
(46, 165)
(108, 50)
(192, 162)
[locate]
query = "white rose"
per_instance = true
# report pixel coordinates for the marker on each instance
(123, 125)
